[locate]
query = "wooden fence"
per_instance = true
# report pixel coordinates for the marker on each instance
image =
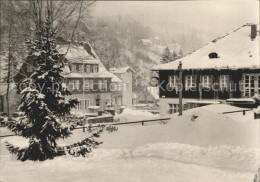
(243, 111)
(124, 123)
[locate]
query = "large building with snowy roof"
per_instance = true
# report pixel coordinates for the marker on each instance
(226, 69)
(86, 77)
(84, 74)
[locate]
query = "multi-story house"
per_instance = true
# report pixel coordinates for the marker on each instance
(87, 78)
(123, 96)
(84, 74)
(225, 70)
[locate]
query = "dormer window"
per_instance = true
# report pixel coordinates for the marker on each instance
(213, 55)
(87, 68)
(80, 68)
(95, 68)
(73, 68)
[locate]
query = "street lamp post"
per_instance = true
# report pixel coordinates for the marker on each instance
(180, 88)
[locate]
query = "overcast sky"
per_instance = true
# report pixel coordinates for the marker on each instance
(216, 15)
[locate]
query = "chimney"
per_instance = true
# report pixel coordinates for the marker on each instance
(253, 31)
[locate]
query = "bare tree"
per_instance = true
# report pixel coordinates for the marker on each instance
(20, 20)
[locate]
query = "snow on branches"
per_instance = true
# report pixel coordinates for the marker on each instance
(43, 101)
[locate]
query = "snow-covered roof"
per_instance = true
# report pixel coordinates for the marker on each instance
(235, 50)
(121, 70)
(76, 53)
(240, 100)
(154, 91)
(115, 79)
(204, 102)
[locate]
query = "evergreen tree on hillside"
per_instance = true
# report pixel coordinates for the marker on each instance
(174, 56)
(166, 56)
(44, 104)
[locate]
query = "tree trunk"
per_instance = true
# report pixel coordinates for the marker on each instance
(9, 68)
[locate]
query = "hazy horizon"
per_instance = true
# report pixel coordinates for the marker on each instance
(214, 17)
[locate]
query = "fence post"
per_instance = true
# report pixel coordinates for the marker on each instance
(83, 129)
(244, 112)
(142, 122)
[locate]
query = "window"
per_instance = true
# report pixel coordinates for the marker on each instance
(100, 84)
(80, 68)
(213, 55)
(119, 86)
(88, 84)
(105, 84)
(97, 102)
(95, 69)
(249, 85)
(190, 81)
(87, 68)
(173, 81)
(207, 80)
(77, 68)
(87, 104)
(83, 104)
(73, 68)
(77, 84)
(224, 82)
(173, 108)
(74, 84)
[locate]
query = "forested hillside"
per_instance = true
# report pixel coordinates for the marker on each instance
(117, 40)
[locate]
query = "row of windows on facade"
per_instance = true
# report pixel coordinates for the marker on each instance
(174, 108)
(87, 84)
(251, 82)
(251, 85)
(85, 103)
(86, 68)
(102, 84)
(207, 81)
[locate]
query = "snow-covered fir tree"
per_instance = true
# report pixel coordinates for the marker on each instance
(166, 56)
(43, 103)
(174, 56)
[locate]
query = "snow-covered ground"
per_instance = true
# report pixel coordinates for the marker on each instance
(214, 147)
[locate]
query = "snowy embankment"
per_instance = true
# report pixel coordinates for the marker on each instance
(213, 147)
(134, 115)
